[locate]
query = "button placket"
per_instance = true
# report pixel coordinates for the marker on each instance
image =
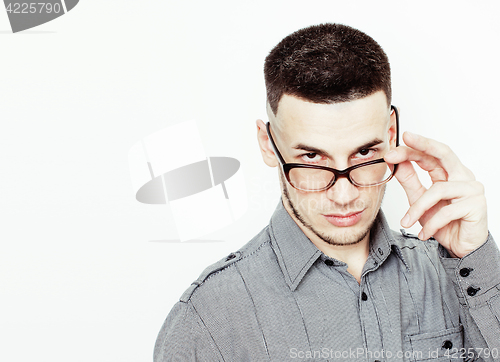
(369, 315)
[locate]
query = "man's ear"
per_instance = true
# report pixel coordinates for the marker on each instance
(265, 145)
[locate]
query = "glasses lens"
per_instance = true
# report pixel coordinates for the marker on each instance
(371, 175)
(310, 179)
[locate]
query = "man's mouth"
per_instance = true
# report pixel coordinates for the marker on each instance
(344, 220)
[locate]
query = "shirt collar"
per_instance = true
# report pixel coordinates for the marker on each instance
(296, 253)
(383, 241)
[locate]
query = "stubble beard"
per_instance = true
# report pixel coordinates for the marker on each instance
(340, 240)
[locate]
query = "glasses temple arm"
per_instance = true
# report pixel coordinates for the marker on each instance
(397, 124)
(275, 149)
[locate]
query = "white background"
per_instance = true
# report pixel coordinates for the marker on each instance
(89, 274)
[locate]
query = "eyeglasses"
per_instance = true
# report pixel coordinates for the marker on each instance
(306, 177)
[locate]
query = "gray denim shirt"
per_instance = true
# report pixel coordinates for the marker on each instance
(279, 298)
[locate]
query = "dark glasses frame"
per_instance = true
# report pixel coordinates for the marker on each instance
(336, 173)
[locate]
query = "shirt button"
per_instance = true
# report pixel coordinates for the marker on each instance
(472, 291)
(230, 256)
(464, 272)
(447, 345)
(364, 296)
(328, 262)
(380, 251)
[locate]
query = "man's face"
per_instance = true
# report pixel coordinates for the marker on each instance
(335, 135)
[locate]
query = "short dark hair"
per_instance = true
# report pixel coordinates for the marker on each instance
(326, 63)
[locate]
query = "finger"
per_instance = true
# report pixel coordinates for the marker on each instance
(466, 210)
(425, 161)
(447, 158)
(440, 191)
(408, 178)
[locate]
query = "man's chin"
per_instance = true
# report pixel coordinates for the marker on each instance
(348, 236)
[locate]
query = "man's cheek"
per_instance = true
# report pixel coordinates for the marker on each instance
(310, 204)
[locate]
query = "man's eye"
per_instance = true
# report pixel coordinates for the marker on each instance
(310, 157)
(365, 153)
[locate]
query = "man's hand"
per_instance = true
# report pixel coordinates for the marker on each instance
(453, 209)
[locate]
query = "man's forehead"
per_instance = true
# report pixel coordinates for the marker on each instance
(356, 121)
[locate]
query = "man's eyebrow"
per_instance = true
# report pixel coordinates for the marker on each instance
(320, 151)
(375, 142)
(311, 149)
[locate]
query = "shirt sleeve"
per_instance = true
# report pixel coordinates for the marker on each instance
(476, 278)
(184, 337)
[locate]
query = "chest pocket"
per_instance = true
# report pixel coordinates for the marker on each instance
(446, 345)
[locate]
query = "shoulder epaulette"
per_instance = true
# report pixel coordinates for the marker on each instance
(210, 270)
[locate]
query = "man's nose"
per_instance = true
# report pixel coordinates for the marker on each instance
(343, 192)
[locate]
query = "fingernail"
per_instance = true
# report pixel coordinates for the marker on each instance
(406, 221)
(421, 235)
(411, 135)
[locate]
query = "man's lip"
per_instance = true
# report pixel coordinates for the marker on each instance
(344, 220)
(344, 215)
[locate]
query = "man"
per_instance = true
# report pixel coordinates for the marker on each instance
(327, 279)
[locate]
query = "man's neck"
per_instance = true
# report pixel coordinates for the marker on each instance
(354, 255)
